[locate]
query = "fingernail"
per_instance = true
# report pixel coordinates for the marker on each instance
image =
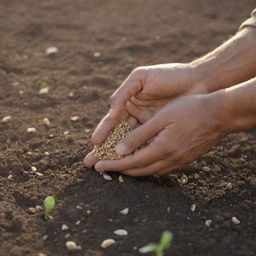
(121, 149)
(98, 168)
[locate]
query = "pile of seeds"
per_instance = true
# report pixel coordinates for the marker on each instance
(106, 151)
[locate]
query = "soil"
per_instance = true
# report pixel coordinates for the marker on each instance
(126, 34)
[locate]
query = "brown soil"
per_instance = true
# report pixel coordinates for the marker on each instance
(127, 34)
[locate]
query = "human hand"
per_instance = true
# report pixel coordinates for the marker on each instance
(142, 94)
(179, 133)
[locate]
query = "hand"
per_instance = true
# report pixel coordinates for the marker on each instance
(180, 132)
(142, 94)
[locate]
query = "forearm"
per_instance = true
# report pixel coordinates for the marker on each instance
(236, 106)
(231, 63)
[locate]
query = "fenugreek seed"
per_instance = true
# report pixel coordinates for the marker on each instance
(235, 220)
(121, 179)
(74, 118)
(206, 169)
(208, 223)
(184, 179)
(41, 254)
(47, 153)
(6, 119)
(121, 232)
(106, 243)
(125, 211)
(51, 50)
(33, 169)
(39, 174)
(46, 122)
(38, 208)
(32, 210)
(9, 177)
(193, 207)
(107, 177)
(72, 246)
(31, 130)
(64, 227)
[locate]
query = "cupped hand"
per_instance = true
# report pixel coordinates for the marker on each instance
(145, 91)
(179, 133)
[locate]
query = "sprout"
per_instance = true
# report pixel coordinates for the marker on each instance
(165, 243)
(49, 204)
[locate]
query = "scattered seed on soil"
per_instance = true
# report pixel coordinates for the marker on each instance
(45, 237)
(208, 223)
(9, 177)
(121, 232)
(106, 243)
(79, 207)
(235, 220)
(41, 254)
(44, 90)
(97, 54)
(74, 118)
(168, 209)
(33, 169)
(6, 119)
(121, 179)
(196, 176)
(39, 174)
(38, 208)
(206, 169)
(87, 130)
(193, 207)
(67, 235)
(46, 122)
(124, 211)
(88, 212)
(29, 153)
(47, 153)
(31, 130)
(32, 210)
(107, 177)
(72, 246)
(184, 179)
(78, 222)
(106, 150)
(66, 133)
(51, 50)
(229, 185)
(71, 94)
(64, 227)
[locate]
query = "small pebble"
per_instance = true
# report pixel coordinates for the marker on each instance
(51, 50)
(121, 232)
(33, 169)
(74, 118)
(6, 119)
(124, 211)
(235, 220)
(9, 177)
(32, 209)
(106, 243)
(64, 227)
(184, 179)
(106, 176)
(193, 207)
(208, 223)
(67, 235)
(97, 54)
(121, 179)
(206, 169)
(46, 122)
(72, 246)
(31, 130)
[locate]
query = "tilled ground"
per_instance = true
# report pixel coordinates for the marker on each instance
(99, 43)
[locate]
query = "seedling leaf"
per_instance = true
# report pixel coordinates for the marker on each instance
(49, 204)
(148, 248)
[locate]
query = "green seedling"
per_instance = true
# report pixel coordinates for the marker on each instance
(49, 204)
(165, 243)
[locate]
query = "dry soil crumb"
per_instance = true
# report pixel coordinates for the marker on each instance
(106, 150)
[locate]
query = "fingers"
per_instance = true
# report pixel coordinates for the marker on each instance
(133, 123)
(160, 166)
(140, 136)
(106, 125)
(131, 86)
(90, 159)
(142, 157)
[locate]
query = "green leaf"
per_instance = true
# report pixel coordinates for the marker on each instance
(166, 240)
(49, 204)
(148, 248)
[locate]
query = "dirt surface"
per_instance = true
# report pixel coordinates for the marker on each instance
(221, 184)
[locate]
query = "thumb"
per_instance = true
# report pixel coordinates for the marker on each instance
(140, 136)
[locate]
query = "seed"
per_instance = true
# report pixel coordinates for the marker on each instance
(66, 133)
(47, 153)
(235, 220)
(46, 122)
(74, 118)
(193, 207)
(51, 50)
(121, 232)
(45, 237)
(9, 177)
(72, 246)
(229, 185)
(79, 207)
(196, 176)
(33, 169)
(184, 179)
(88, 212)
(97, 54)
(67, 235)
(31, 130)
(125, 211)
(106, 243)
(44, 90)
(106, 176)
(71, 94)
(64, 227)
(39, 174)
(29, 153)
(87, 130)
(32, 210)
(41, 254)
(206, 169)
(121, 179)
(6, 119)
(78, 222)
(208, 223)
